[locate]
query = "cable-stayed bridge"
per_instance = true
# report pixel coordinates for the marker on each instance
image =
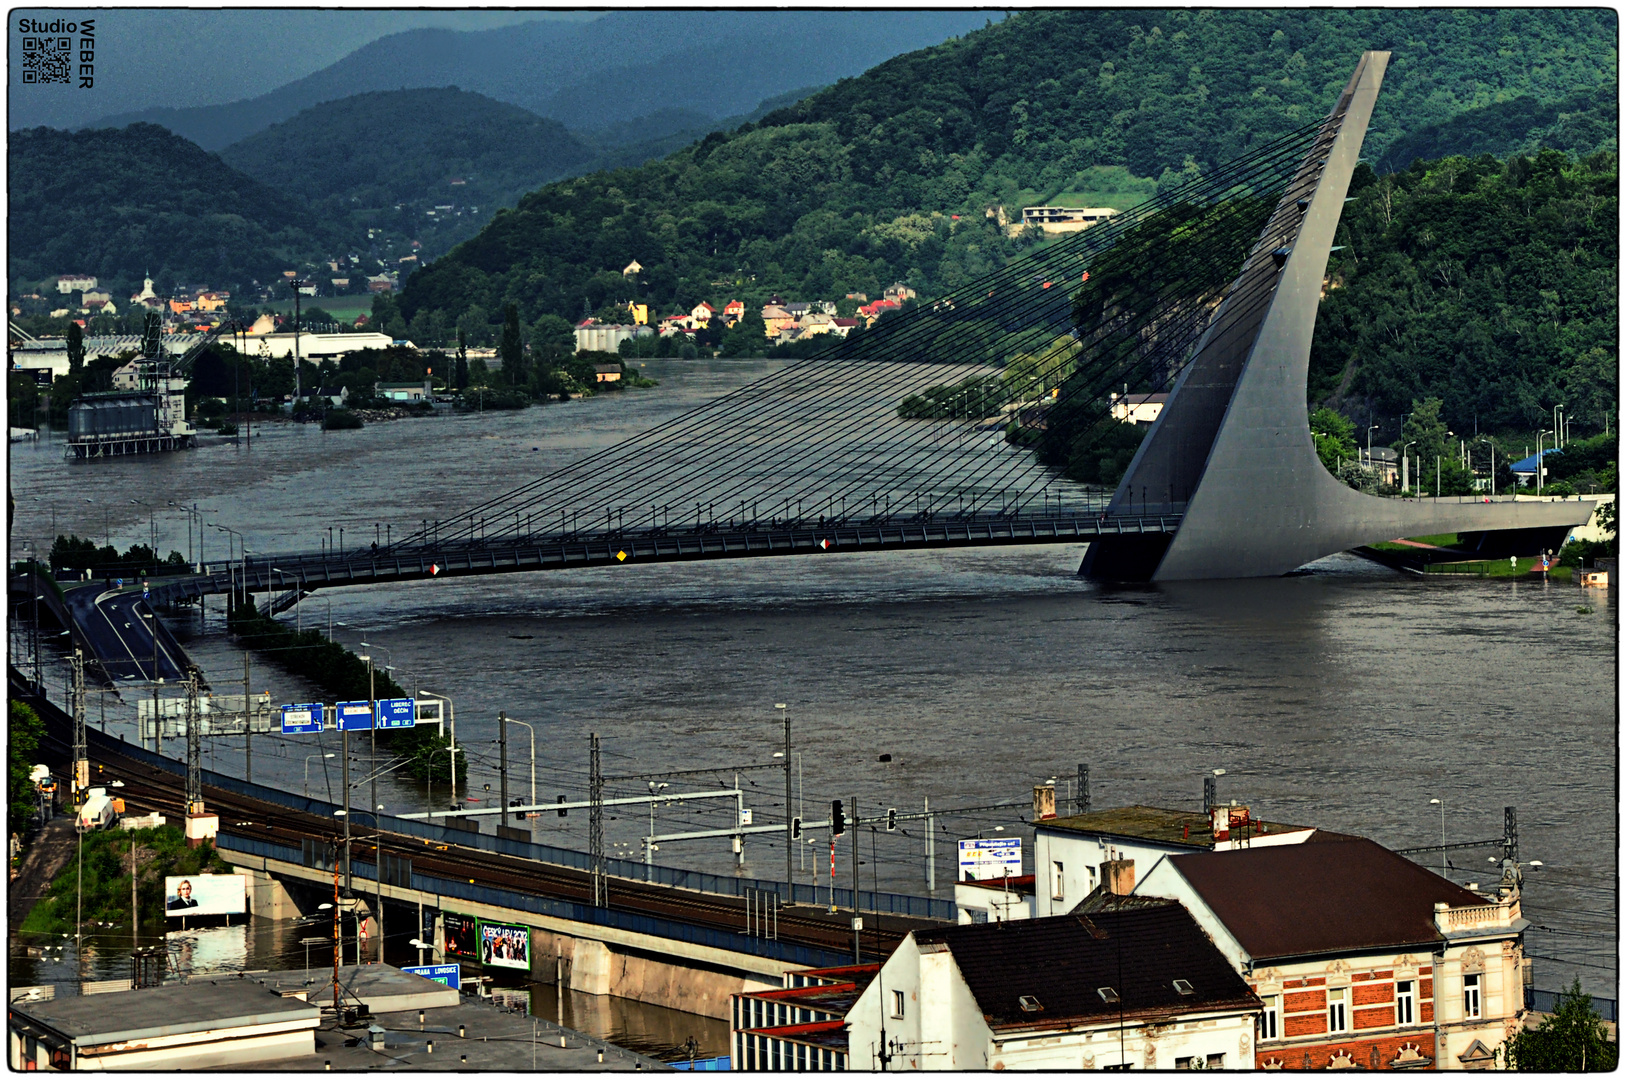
(948, 424)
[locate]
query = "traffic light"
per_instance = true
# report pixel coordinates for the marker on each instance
(892, 820)
(796, 828)
(838, 824)
(563, 812)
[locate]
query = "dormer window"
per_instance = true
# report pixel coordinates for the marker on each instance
(1108, 995)
(1029, 1003)
(1183, 988)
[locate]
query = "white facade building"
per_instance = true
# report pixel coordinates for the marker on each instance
(1068, 852)
(1138, 986)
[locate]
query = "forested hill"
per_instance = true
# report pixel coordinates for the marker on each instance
(1489, 284)
(1579, 125)
(860, 184)
(123, 203)
(412, 149)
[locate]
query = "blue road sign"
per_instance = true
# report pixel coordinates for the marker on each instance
(446, 974)
(119, 582)
(354, 715)
(302, 719)
(397, 712)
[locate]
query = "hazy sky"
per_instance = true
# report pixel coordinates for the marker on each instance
(151, 57)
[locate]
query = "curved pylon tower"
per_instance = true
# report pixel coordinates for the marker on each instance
(1232, 447)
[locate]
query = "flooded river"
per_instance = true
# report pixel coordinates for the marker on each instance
(1345, 697)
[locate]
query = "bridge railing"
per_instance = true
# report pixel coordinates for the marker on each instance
(614, 918)
(887, 903)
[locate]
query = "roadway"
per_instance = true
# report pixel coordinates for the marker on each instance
(117, 626)
(629, 547)
(147, 787)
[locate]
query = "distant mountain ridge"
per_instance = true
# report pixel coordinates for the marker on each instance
(624, 65)
(121, 204)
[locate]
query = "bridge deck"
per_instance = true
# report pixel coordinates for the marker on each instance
(308, 571)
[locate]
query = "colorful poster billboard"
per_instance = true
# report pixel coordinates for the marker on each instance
(461, 934)
(506, 945)
(204, 894)
(990, 860)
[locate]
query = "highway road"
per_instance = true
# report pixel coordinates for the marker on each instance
(118, 626)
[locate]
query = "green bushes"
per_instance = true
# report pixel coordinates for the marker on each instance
(160, 853)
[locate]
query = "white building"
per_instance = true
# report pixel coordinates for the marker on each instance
(1138, 408)
(314, 347)
(1068, 852)
(1138, 986)
(1362, 958)
(994, 901)
(69, 283)
(606, 337)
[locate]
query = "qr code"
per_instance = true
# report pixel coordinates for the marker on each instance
(47, 59)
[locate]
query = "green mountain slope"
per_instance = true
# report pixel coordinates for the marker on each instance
(1489, 284)
(121, 203)
(387, 158)
(860, 184)
(1579, 125)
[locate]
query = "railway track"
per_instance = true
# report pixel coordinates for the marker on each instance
(147, 787)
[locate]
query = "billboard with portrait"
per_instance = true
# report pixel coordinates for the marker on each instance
(461, 934)
(505, 945)
(204, 894)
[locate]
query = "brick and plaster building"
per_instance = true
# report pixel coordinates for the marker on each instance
(1068, 852)
(1362, 958)
(1140, 987)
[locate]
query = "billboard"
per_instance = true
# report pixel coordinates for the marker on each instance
(462, 935)
(354, 715)
(302, 719)
(204, 894)
(990, 860)
(445, 974)
(396, 712)
(505, 945)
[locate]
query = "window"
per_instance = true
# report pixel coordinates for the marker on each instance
(1470, 997)
(1337, 1012)
(1405, 1002)
(1055, 876)
(1181, 1064)
(897, 1004)
(1271, 1018)
(1216, 1061)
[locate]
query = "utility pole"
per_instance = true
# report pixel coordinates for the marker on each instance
(81, 756)
(931, 851)
(194, 746)
(595, 825)
(344, 752)
(857, 925)
(248, 725)
(502, 763)
(372, 743)
(790, 840)
(1081, 798)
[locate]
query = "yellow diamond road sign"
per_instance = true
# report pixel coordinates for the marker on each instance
(621, 556)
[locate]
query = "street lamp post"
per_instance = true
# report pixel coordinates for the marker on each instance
(1441, 804)
(451, 720)
(308, 758)
(1539, 469)
(1405, 466)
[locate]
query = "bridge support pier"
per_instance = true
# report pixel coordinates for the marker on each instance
(594, 967)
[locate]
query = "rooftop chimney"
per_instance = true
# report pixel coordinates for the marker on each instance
(1119, 876)
(1044, 802)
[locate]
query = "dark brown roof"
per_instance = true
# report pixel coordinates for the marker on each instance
(1333, 896)
(1063, 961)
(1177, 828)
